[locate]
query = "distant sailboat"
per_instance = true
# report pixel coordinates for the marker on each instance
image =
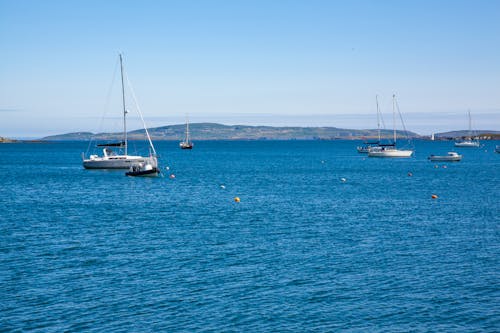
(186, 144)
(468, 142)
(390, 150)
(110, 159)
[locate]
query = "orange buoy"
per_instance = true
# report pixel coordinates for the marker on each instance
(236, 199)
(434, 196)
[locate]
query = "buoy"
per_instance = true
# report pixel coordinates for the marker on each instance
(236, 199)
(167, 168)
(172, 176)
(444, 167)
(222, 187)
(343, 180)
(436, 166)
(410, 174)
(434, 196)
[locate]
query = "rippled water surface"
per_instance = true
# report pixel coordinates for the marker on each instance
(303, 251)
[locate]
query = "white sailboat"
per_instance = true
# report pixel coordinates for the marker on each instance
(390, 150)
(113, 160)
(468, 142)
(186, 144)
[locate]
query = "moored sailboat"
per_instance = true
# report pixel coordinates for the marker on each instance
(122, 160)
(470, 141)
(186, 144)
(390, 150)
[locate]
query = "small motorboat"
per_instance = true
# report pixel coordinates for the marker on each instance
(365, 149)
(450, 157)
(143, 170)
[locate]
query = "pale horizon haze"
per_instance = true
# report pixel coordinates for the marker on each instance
(278, 63)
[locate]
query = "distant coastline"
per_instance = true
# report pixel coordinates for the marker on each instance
(214, 131)
(7, 140)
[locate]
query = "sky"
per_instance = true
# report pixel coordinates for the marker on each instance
(292, 63)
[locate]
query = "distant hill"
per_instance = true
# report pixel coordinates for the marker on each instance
(212, 131)
(465, 133)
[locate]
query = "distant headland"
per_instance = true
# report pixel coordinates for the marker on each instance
(214, 131)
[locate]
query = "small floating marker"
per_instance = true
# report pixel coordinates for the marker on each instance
(222, 187)
(236, 199)
(410, 174)
(322, 162)
(436, 166)
(172, 176)
(434, 196)
(343, 180)
(167, 168)
(444, 167)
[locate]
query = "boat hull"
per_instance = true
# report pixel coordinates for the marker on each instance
(445, 158)
(116, 162)
(467, 144)
(186, 145)
(390, 153)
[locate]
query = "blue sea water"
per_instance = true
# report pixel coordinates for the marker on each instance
(95, 251)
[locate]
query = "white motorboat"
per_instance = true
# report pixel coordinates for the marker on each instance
(390, 150)
(450, 157)
(468, 142)
(113, 160)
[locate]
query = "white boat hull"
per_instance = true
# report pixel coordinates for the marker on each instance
(390, 153)
(115, 162)
(450, 157)
(467, 144)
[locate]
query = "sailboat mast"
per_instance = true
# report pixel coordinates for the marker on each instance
(124, 108)
(470, 125)
(394, 116)
(187, 129)
(378, 118)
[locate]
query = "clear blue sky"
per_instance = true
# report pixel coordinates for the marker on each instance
(250, 62)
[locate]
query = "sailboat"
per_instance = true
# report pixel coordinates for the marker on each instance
(370, 144)
(122, 160)
(186, 144)
(390, 150)
(470, 141)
